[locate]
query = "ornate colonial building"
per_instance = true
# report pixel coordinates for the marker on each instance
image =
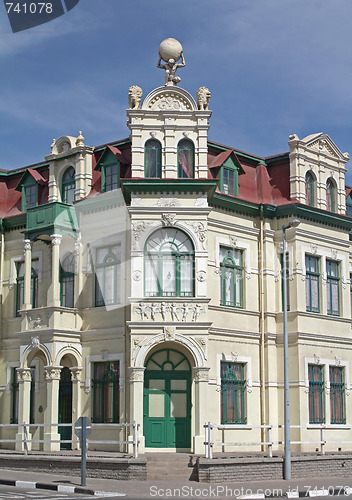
(141, 280)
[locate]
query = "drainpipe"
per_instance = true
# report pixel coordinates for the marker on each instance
(262, 324)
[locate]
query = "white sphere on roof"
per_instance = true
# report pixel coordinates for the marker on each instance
(170, 48)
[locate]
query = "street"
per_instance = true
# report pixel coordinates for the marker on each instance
(13, 493)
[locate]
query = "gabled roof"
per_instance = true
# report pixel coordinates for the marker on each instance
(324, 144)
(219, 160)
(30, 173)
(119, 155)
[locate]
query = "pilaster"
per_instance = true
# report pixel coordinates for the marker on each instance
(52, 377)
(24, 378)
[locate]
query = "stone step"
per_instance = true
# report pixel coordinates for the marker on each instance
(170, 466)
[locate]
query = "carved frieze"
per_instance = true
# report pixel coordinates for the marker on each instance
(164, 311)
(202, 201)
(168, 200)
(169, 100)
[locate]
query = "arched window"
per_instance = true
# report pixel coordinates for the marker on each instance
(152, 159)
(169, 264)
(20, 287)
(185, 158)
(107, 276)
(67, 281)
(68, 186)
(310, 189)
(330, 195)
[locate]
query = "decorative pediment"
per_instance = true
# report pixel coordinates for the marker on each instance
(169, 99)
(322, 143)
(110, 156)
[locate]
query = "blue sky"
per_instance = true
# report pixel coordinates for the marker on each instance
(274, 67)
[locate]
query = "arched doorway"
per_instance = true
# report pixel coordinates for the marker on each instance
(167, 400)
(65, 407)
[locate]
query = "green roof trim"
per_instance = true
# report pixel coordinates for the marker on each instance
(167, 186)
(314, 214)
(15, 222)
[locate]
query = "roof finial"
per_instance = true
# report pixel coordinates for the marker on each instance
(80, 139)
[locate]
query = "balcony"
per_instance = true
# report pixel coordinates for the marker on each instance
(51, 218)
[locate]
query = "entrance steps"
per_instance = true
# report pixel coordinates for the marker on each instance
(161, 466)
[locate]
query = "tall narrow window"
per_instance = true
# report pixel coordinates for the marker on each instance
(330, 196)
(316, 394)
(287, 280)
(231, 277)
(169, 264)
(107, 276)
(68, 186)
(310, 189)
(153, 159)
(333, 287)
(20, 287)
(30, 196)
(312, 283)
(14, 396)
(67, 281)
(337, 395)
(351, 293)
(185, 151)
(106, 392)
(229, 181)
(233, 386)
(111, 175)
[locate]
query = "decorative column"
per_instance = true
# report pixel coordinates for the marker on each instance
(27, 303)
(54, 289)
(76, 398)
(52, 377)
(136, 404)
(24, 379)
(201, 379)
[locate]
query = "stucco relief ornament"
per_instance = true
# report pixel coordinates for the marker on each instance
(169, 332)
(168, 200)
(200, 229)
(27, 245)
(202, 201)
(337, 360)
(316, 359)
(136, 201)
(168, 219)
(35, 342)
(138, 229)
(201, 276)
(137, 374)
(52, 372)
(136, 346)
(170, 51)
(142, 310)
(203, 346)
(314, 249)
(233, 241)
(24, 374)
(234, 356)
(137, 275)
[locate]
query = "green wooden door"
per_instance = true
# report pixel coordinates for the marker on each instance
(167, 400)
(65, 407)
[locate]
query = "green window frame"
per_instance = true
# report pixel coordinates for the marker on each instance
(29, 196)
(330, 196)
(229, 181)
(287, 280)
(185, 159)
(316, 394)
(110, 176)
(106, 401)
(67, 281)
(169, 264)
(310, 189)
(333, 287)
(68, 186)
(231, 277)
(20, 287)
(349, 206)
(312, 284)
(107, 275)
(233, 390)
(152, 159)
(337, 395)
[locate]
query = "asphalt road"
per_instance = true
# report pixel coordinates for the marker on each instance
(13, 493)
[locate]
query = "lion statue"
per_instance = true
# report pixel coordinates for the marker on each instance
(203, 98)
(135, 97)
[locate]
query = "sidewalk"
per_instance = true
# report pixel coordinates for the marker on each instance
(303, 488)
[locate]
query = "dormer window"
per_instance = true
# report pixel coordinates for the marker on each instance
(330, 195)
(310, 189)
(152, 159)
(185, 154)
(29, 196)
(68, 186)
(109, 166)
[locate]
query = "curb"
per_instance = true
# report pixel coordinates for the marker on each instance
(347, 491)
(62, 488)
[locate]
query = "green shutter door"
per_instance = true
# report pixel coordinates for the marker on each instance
(167, 401)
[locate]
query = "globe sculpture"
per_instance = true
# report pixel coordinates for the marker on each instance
(170, 49)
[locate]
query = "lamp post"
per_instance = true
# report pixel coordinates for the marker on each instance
(287, 439)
